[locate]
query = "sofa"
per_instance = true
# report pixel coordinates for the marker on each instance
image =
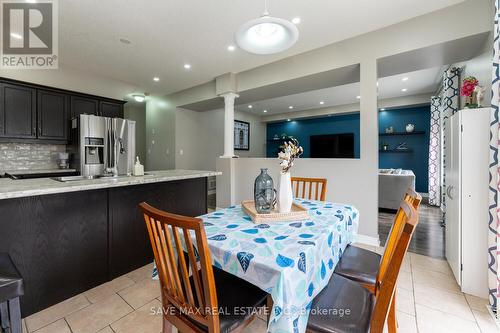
(392, 186)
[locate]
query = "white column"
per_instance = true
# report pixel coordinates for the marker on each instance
(229, 98)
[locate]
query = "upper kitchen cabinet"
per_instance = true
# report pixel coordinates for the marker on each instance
(53, 112)
(17, 111)
(31, 112)
(83, 105)
(112, 110)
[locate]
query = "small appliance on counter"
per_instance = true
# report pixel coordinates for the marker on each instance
(63, 159)
(102, 146)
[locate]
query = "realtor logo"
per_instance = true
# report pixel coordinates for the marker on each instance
(29, 35)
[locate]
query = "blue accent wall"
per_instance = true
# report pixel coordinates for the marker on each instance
(303, 129)
(418, 160)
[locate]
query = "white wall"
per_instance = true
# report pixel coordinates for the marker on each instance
(200, 136)
(345, 184)
(137, 111)
(160, 134)
(69, 79)
(480, 67)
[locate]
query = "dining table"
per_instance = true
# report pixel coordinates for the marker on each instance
(292, 261)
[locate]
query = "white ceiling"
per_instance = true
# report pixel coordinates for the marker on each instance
(166, 34)
(419, 82)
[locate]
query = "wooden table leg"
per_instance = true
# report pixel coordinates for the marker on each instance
(392, 323)
(167, 326)
(269, 307)
(15, 315)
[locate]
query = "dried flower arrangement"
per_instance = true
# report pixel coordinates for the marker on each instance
(290, 151)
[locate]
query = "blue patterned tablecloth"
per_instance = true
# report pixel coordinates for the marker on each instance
(292, 261)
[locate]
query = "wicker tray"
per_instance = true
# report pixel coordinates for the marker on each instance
(298, 213)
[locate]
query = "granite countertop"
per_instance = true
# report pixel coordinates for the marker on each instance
(31, 187)
(26, 172)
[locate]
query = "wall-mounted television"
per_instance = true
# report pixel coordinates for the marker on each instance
(332, 145)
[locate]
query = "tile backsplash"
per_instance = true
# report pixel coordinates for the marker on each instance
(27, 156)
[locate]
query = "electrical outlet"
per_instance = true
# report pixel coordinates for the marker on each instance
(181, 152)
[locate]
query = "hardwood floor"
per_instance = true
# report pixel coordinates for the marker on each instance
(429, 237)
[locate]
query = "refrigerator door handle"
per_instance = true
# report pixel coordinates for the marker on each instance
(448, 191)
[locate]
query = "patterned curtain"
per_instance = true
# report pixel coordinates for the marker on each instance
(435, 153)
(450, 104)
(493, 228)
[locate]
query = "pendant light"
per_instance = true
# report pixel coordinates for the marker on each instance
(267, 34)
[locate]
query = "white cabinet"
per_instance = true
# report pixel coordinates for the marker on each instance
(466, 179)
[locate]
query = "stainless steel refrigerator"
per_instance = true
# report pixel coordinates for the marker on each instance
(101, 146)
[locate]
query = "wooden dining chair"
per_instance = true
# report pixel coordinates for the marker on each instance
(364, 266)
(193, 292)
(309, 188)
(367, 311)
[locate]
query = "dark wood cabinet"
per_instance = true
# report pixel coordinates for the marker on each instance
(112, 110)
(64, 244)
(53, 112)
(34, 113)
(83, 105)
(17, 111)
(130, 247)
(58, 242)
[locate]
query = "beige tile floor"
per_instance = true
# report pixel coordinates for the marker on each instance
(429, 300)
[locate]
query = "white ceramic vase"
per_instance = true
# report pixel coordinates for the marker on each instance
(285, 195)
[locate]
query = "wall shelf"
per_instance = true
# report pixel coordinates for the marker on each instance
(280, 140)
(396, 151)
(403, 133)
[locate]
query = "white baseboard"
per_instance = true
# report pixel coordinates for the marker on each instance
(367, 240)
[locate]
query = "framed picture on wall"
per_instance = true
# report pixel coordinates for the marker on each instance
(241, 135)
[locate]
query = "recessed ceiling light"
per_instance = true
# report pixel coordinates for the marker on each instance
(405, 79)
(404, 90)
(321, 102)
(156, 79)
(30, 1)
(290, 107)
(187, 66)
(250, 106)
(358, 97)
(383, 109)
(289, 119)
(16, 36)
(231, 48)
(265, 111)
(125, 41)
(296, 20)
(139, 98)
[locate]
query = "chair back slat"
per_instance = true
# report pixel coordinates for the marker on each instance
(183, 267)
(412, 198)
(174, 268)
(166, 239)
(387, 285)
(194, 269)
(309, 188)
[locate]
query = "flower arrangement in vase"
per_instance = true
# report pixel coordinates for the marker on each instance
(468, 90)
(290, 151)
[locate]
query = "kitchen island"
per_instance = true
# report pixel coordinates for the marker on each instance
(68, 237)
